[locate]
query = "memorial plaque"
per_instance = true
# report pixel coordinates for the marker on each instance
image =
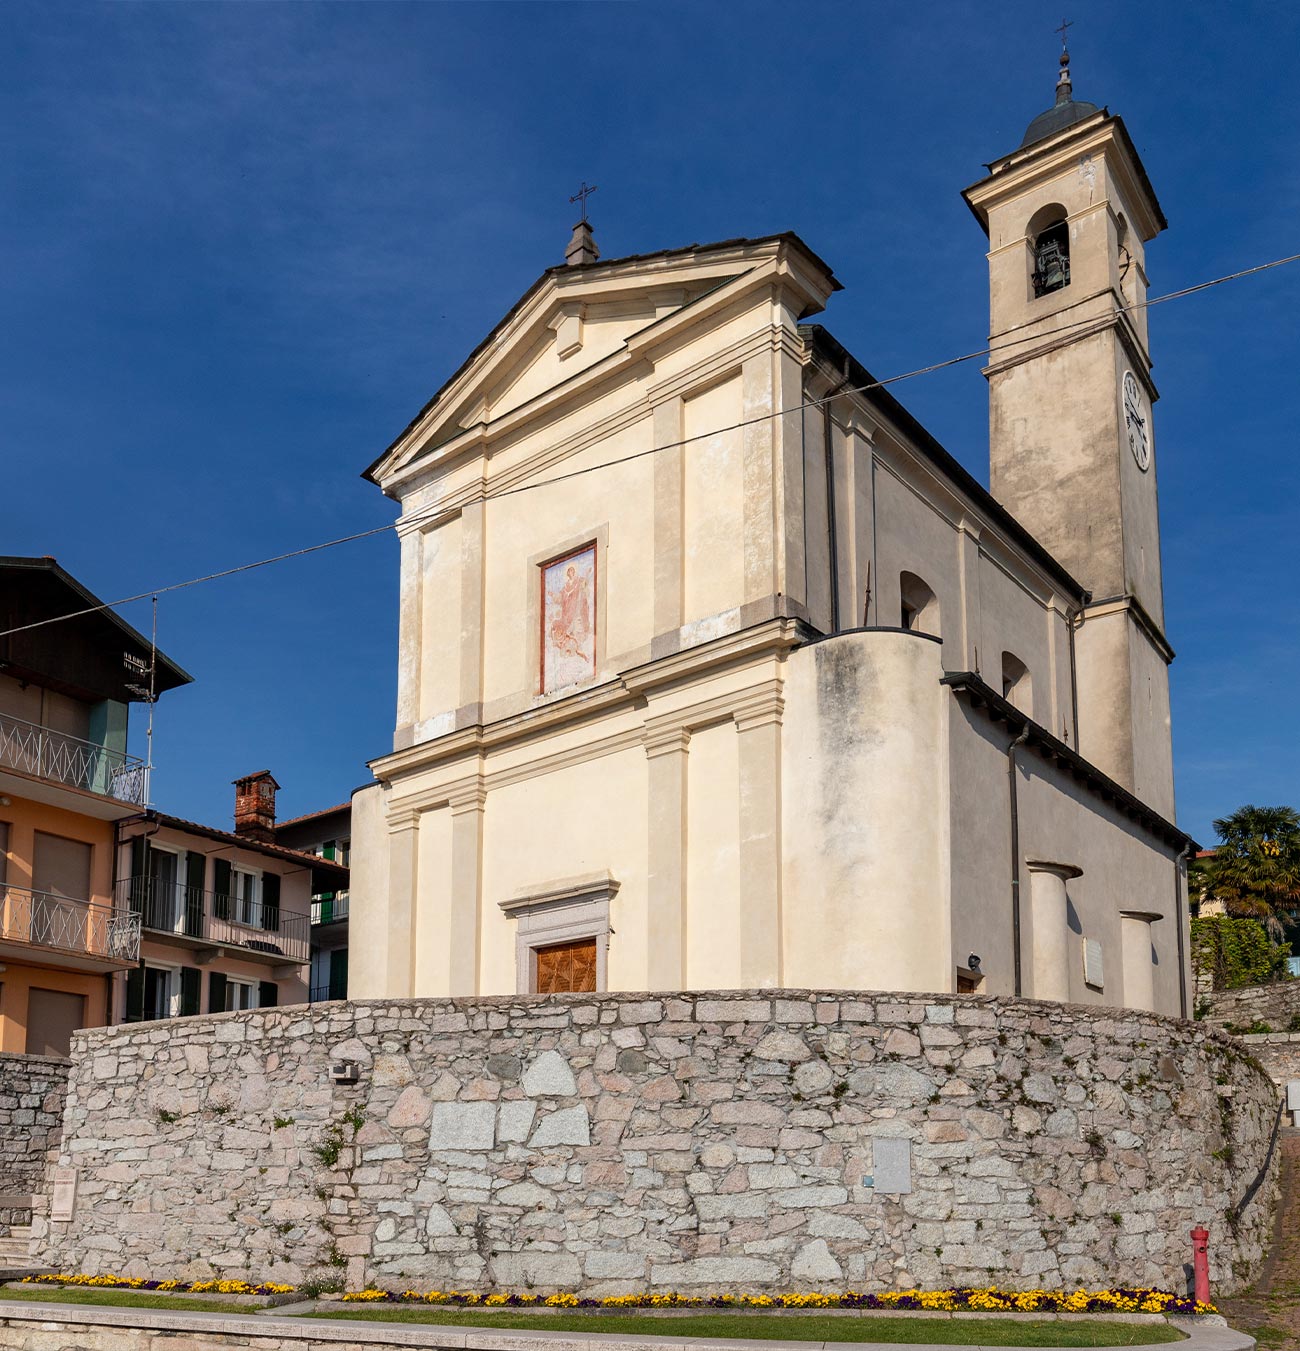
(1093, 971)
(892, 1166)
(65, 1194)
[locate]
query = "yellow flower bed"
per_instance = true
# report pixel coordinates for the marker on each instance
(990, 1300)
(964, 1300)
(110, 1282)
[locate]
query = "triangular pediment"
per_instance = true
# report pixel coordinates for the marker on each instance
(570, 321)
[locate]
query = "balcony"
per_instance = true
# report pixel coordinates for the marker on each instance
(208, 919)
(329, 909)
(59, 931)
(46, 754)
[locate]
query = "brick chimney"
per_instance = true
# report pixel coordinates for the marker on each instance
(255, 806)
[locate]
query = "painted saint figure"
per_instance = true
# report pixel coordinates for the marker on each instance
(569, 622)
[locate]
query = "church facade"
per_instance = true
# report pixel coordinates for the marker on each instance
(717, 671)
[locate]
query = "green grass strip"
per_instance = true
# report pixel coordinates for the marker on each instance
(131, 1299)
(905, 1328)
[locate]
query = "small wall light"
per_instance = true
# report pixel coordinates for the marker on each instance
(345, 1072)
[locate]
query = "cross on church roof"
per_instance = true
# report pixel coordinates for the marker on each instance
(1065, 23)
(581, 196)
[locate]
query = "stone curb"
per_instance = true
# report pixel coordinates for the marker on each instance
(252, 1328)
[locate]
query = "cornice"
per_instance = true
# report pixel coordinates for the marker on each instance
(770, 638)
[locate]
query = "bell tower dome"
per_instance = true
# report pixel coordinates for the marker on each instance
(1071, 453)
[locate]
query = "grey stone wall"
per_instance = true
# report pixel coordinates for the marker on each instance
(1279, 1053)
(1275, 1004)
(32, 1088)
(610, 1143)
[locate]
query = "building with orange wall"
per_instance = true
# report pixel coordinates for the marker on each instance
(66, 780)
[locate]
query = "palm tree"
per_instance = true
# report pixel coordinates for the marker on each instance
(1255, 868)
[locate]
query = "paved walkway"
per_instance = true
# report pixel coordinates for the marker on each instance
(1270, 1310)
(48, 1327)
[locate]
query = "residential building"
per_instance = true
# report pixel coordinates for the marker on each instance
(328, 835)
(66, 780)
(716, 670)
(225, 914)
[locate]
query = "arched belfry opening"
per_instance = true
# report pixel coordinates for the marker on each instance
(1049, 243)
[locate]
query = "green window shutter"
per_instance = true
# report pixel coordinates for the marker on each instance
(268, 992)
(339, 973)
(191, 977)
(327, 851)
(196, 865)
(271, 901)
(220, 888)
(135, 994)
(216, 992)
(138, 887)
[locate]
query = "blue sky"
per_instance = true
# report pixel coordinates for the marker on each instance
(243, 243)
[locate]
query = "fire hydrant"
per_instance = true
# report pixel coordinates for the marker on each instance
(1201, 1264)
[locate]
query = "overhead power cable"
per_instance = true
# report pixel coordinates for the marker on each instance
(416, 518)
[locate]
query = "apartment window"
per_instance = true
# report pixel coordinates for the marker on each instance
(240, 994)
(244, 893)
(232, 994)
(244, 897)
(154, 992)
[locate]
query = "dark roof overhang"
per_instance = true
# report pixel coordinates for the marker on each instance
(970, 686)
(89, 656)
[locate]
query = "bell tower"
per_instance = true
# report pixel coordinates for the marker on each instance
(1071, 448)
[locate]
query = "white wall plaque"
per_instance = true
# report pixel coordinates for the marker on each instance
(1093, 974)
(891, 1165)
(64, 1195)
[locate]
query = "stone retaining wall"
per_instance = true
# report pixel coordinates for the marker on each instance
(1276, 1004)
(1279, 1053)
(609, 1143)
(32, 1089)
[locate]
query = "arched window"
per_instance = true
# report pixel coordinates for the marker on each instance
(1017, 683)
(1049, 237)
(919, 605)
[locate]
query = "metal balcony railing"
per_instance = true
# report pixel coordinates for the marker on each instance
(214, 917)
(45, 920)
(32, 749)
(327, 909)
(318, 994)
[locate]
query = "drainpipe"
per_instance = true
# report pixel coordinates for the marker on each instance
(1016, 743)
(1182, 857)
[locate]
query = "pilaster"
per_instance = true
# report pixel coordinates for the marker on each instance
(465, 909)
(398, 932)
(473, 529)
(410, 608)
(759, 728)
(666, 751)
(668, 521)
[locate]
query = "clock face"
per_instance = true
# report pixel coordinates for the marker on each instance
(1136, 422)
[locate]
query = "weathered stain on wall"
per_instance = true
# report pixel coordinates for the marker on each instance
(619, 1142)
(32, 1089)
